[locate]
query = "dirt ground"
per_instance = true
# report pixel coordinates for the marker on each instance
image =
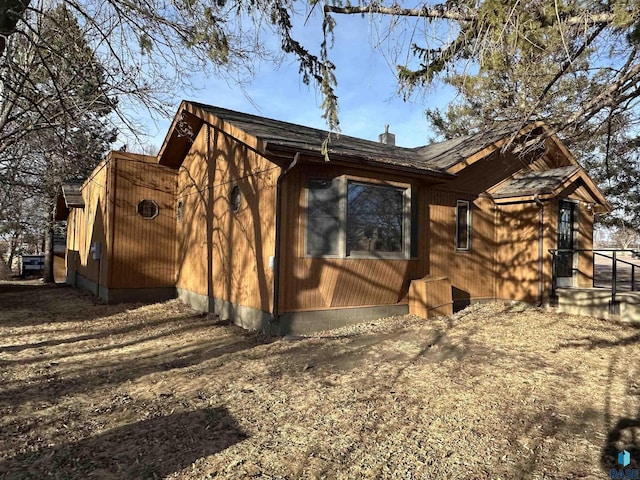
(129, 391)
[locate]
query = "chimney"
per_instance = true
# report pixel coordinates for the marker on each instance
(386, 137)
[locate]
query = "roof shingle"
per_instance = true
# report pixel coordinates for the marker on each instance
(436, 157)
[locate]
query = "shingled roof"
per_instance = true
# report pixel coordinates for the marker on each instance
(73, 195)
(435, 158)
(531, 183)
(69, 197)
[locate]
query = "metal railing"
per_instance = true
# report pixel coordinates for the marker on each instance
(609, 253)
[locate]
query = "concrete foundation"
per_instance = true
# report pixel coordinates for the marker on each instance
(121, 295)
(317, 320)
(596, 302)
(243, 316)
(297, 323)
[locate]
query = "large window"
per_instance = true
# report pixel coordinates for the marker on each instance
(463, 226)
(348, 218)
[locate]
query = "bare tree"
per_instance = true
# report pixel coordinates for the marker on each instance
(625, 236)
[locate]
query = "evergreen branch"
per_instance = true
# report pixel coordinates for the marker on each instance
(450, 12)
(447, 12)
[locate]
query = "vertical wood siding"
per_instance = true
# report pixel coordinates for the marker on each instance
(585, 220)
(143, 250)
(517, 265)
(87, 226)
(323, 283)
(471, 273)
(223, 254)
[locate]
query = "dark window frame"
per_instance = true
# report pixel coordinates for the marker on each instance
(462, 205)
(142, 209)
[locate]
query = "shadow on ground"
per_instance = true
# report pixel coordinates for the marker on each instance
(147, 449)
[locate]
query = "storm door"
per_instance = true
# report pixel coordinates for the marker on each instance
(566, 241)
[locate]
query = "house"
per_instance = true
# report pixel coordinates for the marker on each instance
(246, 217)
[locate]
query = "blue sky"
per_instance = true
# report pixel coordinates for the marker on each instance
(367, 90)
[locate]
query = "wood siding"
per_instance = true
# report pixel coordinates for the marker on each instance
(504, 261)
(134, 252)
(87, 226)
(517, 259)
(323, 283)
(471, 272)
(222, 254)
(142, 250)
(219, 253)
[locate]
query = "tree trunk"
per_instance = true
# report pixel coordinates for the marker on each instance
(13, 250)
(48, 276)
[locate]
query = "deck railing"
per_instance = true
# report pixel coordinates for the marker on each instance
(609, 253)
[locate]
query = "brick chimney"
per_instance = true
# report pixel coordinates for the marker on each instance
(386, 137)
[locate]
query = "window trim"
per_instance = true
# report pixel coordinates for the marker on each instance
(467, 204)
(343, 185)
(154, 203)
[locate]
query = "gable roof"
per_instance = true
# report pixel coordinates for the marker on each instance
(536, 182)
(276, 135)
(441, 159)
(547, 184)
(447, 154)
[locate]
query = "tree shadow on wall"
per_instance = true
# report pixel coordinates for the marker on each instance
(148, 449)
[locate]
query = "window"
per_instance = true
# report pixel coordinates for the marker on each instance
(463, 226)
(235, 199)
(375, 219)
(148, 209)
(179, 211)
(348, 218)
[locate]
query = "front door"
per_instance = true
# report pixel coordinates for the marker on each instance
(566, 241)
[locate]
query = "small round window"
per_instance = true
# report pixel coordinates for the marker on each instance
(235, 199)
(148, 209)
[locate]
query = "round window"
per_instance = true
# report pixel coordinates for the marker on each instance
(148, 209)
(235, 199)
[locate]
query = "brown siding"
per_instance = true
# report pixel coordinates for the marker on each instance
(87, 226)
(143, 250)
(322, 283)
(585, 221)
(471, 273)
(585, 241)
(484, 174)
(517, 266)
(193, 236)
(222, 254)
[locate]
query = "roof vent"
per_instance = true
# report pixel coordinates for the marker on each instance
(386, 137)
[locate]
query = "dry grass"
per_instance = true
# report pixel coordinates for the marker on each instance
(130, 391)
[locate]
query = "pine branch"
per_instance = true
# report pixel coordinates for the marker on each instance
(449, 12)
(438, 11)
